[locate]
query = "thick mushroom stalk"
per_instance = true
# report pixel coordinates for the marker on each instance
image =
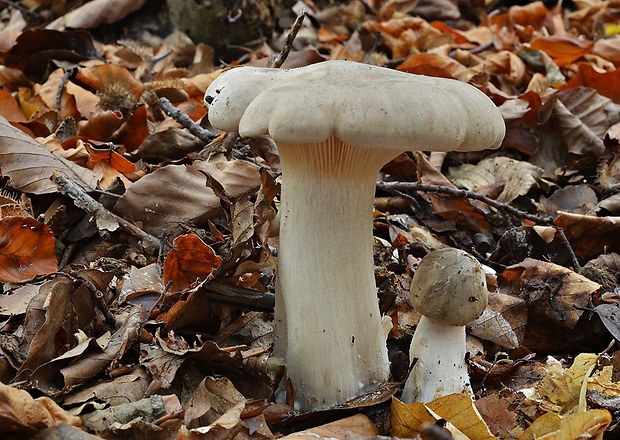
(336, 123)
(449, 290)
(335, 348)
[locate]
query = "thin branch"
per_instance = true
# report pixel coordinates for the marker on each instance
(181, 117)
(235, 296)
(104, 219)
(392, 187)
(399, 187)
(97, 296)
(288, 44)
(576, 265)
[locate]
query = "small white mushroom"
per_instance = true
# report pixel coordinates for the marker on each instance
(449, 290)
(336, 123)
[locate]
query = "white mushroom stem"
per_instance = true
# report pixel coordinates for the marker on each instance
(328, 326)
(440, 368)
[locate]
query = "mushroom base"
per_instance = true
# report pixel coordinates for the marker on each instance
(328, 324)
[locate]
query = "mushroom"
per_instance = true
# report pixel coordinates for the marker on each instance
(336, 123)
(449, 290)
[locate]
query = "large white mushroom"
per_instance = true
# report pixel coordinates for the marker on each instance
(449, 290)
(336, 123)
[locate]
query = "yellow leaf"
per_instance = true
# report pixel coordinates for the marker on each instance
(464, 420)
(551, 426)
(459, 409)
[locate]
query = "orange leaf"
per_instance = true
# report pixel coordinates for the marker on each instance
(563, 50)
(190, 260)
(607, 83)
(434, 64)
(101, 125)
(10, 107)
(26, 249)
(117, 161)
(98, 77)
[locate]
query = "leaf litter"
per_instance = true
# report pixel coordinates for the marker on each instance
(144, 309)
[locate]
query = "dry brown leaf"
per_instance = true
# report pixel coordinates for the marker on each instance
(589, 235)
(131, 386)
(21, 414)
(550, 291)
(121, 418)
(584, 117)
(212, 400)
(56, 294)
(495, 411)
(578, 199)
(95, 13)
(91, 357)
(10, 108)
(178, 194)
(434, 64)
(518, 176)
(29, 164)
(458, 210)
(503, 321)
(352, 428)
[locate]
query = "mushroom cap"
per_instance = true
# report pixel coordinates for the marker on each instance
(449, 287)
(360, 104)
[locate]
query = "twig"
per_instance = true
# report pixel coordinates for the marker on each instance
(288, 44)
(97, 296)
(61, 87)
(104, 219)
(397, 187)
(241, 297)
(204, 135)
(393, 187)
(576, 265)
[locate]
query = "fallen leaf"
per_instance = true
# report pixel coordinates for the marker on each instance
(352, 428)
(590, 424)
(502, 322)
(464, 420)
(29, 164)
(27, 249)
(179, 194)
(189, 261)
(95, 13)
(21, 414)
(550, 291)
(563, 49)
(518, 177)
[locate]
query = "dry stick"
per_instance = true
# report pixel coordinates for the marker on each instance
(288, 44)
(97, 296)
(398, 187)
(204, 135)
(101, 215)
(236, 296)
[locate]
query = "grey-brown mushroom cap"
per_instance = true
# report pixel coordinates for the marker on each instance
(362, 105)
(449, 287)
